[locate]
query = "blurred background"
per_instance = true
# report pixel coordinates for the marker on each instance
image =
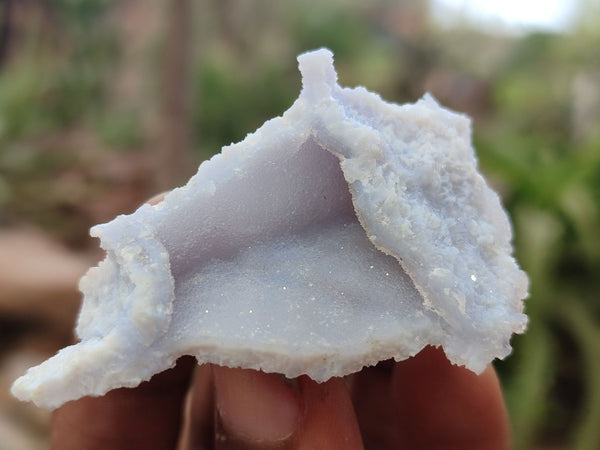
(104, 103)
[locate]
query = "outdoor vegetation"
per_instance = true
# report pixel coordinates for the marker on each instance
(104, 103)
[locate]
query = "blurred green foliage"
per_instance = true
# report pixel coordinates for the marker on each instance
(535, 100)
(245, 99)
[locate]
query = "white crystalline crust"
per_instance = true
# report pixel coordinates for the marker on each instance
(345, 232)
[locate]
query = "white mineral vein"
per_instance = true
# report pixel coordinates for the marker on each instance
(345, 232)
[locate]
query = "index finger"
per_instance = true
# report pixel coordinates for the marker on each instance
(148, 416)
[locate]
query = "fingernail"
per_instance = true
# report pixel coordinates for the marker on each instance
(256, 407)
(157, 198)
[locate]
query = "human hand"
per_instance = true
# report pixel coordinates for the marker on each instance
(421, 403)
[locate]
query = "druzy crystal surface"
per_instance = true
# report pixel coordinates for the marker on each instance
(347, 231)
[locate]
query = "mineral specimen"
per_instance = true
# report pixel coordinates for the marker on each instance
(347, 231)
